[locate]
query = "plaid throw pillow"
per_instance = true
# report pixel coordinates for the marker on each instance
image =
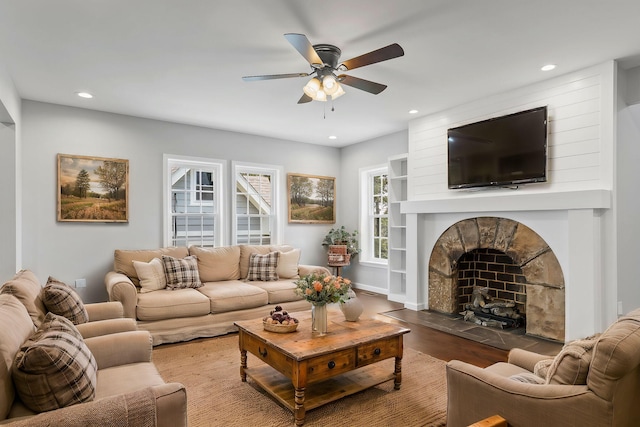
(263, 267)
(181, 273)
(54, 368)
(62, 300)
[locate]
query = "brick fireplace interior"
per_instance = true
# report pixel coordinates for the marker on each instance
(503, 249)
(494, 270)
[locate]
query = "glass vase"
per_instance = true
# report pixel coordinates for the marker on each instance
(319, 319)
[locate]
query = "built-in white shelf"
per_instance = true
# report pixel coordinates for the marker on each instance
(397, 258)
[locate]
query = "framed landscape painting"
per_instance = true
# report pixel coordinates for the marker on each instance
(92, 189)
(311, 199)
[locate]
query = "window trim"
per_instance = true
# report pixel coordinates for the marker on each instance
(217, 165)
(366, 196)
(277, 172)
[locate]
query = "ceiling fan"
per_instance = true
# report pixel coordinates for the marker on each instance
(323, 59)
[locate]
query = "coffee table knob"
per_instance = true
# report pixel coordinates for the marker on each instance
(263, 353)
(376, 352)
(331, 364)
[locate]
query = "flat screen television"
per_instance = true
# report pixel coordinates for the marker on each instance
(502, 152)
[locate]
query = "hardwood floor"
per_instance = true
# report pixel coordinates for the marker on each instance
(431, 341)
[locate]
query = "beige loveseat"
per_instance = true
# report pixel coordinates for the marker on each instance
(226, 296)
(127, 388)
(591, 382)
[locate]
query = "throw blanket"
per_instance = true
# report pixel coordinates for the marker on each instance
(135, 409)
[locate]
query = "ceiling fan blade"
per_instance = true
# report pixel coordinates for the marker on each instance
(304, 99)
(301, 43)
(273, 76)
(382, 54)
(362, 84)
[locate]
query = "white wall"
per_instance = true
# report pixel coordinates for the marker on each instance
(10, 221)
(354, 157)
(69, 251)
(627, 195)
(579, 143)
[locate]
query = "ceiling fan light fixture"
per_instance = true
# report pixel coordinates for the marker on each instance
(330, 85)
(338, 93)
(311, 88)
(320, 96)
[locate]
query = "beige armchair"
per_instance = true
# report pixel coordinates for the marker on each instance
(605, 393)
(103, 317)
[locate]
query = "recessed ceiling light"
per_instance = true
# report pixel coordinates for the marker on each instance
(333, 137)
(84, 95)
(413, 111)
(548, 67)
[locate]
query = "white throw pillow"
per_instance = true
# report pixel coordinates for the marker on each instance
(288, 264)
(151, 275)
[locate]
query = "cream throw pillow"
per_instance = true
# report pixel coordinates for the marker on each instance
(151, 275)
(288, 264)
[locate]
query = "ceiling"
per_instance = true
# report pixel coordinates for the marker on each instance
(182, 61)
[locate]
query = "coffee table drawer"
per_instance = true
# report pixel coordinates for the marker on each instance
(269, 355)
(331, 364)
(377, 350)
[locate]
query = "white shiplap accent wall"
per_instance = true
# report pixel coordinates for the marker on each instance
(580, 135)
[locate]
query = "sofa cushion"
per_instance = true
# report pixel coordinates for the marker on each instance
(288, 264)
(171, 304)
(247, 250)
(233, 295)
(263, 267)
(26, 287)
(279, 291)
(216, 264)
(571, 365)
(62, 300)
(16, 327)
(123, 259)
(54, 368)
(181, 273)
(151, 275)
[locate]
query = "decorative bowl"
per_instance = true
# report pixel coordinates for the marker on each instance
(279, 328)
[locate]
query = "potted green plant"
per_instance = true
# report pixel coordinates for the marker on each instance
(340, 236)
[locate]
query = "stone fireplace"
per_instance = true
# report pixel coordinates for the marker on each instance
(562, 231)
(544, 286)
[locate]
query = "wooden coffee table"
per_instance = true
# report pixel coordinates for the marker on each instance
(303, 371)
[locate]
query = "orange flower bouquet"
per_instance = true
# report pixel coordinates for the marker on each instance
(320, 289)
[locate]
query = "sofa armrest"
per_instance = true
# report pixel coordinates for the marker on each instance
(141, 407)
(305, 270)
(104, 310)
(121, 348)
(525, 359)
(121, 288)
(106, 327)
(474, 393)
(171, 404)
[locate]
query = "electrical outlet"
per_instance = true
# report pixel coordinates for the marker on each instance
(81, 283)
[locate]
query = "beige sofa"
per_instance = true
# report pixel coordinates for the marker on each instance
(591, 382)
(173, 315)
(128, 388)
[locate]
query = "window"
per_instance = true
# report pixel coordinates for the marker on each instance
(193, 202)
(202, 182)
(374, 214)
(256, 207)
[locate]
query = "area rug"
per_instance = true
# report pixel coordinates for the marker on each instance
(210, 371)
